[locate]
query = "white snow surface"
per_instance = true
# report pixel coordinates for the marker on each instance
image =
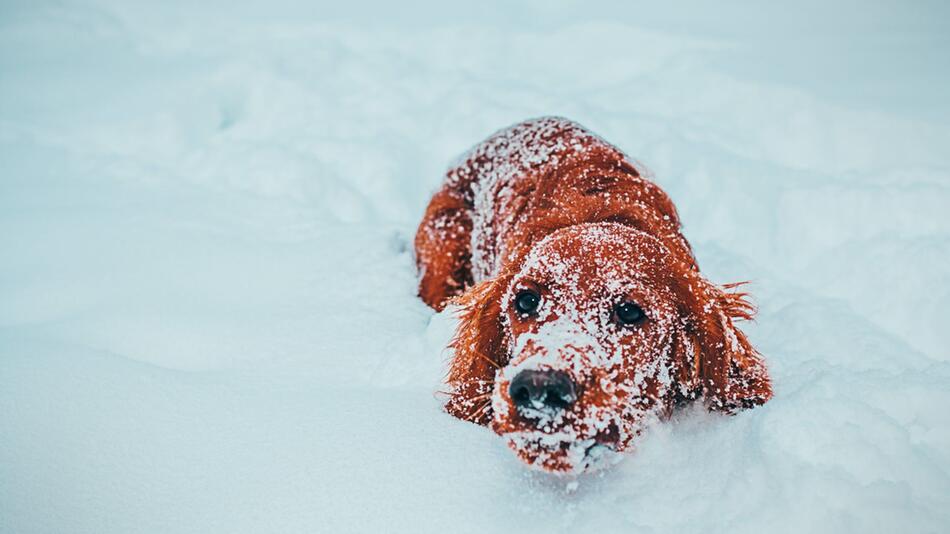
(208, 319)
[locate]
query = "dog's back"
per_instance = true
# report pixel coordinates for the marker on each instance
(522, 183)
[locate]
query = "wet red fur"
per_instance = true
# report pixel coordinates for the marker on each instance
(531, 180)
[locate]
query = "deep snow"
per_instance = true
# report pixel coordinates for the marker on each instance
(207, 310)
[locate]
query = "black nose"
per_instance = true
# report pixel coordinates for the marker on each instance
(535, 389)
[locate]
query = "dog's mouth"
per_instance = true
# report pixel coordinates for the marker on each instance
(562, 424)
(561, 454)
(565, 442)
(565, 438)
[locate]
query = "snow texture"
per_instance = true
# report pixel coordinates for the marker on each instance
(208, 319)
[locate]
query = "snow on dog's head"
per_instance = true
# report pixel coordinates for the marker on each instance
(590, 336)
(599, 332)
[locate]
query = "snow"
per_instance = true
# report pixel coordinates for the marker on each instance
(208, 319)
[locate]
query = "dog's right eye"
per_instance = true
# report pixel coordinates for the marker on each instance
(527, 301)
(629, 313)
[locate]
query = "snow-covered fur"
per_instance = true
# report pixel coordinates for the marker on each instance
(547, 207)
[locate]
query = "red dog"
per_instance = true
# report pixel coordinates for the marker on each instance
(583, 312)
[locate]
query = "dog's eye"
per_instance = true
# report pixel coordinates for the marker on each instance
(527, 301)
(628, 313)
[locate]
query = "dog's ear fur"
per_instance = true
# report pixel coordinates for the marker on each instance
(480, 351)
(721, 364)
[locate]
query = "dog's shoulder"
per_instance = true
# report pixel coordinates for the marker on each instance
(533, 147)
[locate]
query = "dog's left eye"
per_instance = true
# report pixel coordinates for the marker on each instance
(527, 301)
(629, 313)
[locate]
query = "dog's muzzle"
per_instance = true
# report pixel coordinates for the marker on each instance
(543, 389)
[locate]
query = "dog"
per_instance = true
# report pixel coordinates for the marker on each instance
(583, 316)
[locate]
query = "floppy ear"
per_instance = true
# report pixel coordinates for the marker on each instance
(480, 351)
(724, 366)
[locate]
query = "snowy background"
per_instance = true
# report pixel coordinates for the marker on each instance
(208, 319)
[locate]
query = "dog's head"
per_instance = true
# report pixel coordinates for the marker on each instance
(599, 331)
